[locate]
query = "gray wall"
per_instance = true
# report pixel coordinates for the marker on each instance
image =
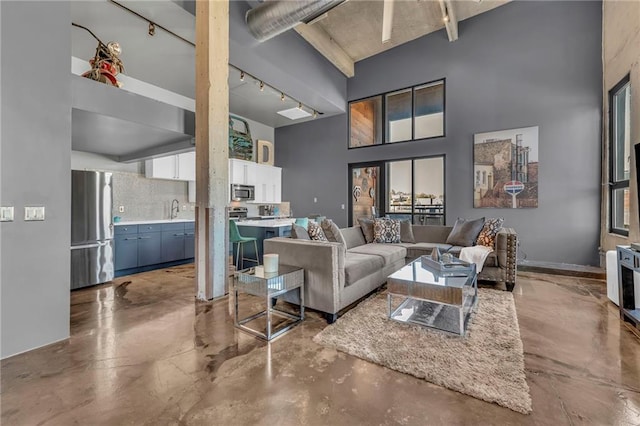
(522, 64)
(35, 171)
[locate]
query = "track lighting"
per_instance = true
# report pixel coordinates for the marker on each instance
(152, 29)
(315, 113)
(446, 19)
(241, 75)
(299, 105)
(282, 97)
(261, 86)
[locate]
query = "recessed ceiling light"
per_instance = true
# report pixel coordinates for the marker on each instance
(294, 113)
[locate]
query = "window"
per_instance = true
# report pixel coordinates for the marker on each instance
(405, 189)
(409, 114)
(365, 122)
(620, 153)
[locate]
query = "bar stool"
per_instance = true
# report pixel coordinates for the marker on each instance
(236, 238)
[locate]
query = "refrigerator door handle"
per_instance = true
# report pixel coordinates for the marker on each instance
(92, 245)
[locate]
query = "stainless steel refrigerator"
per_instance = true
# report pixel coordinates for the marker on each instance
(91, 228)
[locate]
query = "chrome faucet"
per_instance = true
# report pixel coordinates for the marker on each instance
(175, 209)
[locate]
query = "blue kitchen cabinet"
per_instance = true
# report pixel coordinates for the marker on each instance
(149, 245)
(126, 251)
(172, 241)
(189, 240)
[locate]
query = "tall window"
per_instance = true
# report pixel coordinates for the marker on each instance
(404, 189)
(620, 164)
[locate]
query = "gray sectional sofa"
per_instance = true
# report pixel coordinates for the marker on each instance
(337, 276)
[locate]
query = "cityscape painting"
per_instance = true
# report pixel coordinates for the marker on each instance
(505, 168)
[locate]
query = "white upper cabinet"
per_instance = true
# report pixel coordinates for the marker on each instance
(267, 180)
(175, 167)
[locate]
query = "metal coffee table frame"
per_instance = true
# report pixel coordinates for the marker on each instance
(269, 286)
(418, 283)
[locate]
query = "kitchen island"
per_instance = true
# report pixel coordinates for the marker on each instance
(261, 230)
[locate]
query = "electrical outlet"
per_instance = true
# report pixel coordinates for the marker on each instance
(184, 207)
(6, 214)
(342, 206)
(193, 207)
(315, 200)
(121, 209)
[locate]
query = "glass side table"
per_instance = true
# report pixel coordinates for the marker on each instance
(269, 285)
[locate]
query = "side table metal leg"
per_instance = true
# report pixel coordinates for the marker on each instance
(301, 290)
(235, 292)
(268, 331)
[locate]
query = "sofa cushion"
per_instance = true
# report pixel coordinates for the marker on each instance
(491, 260)
(406, 232)
(487, 236)
(316, 232)
(386, 230)
(353, 236)
(465, 232)
(332, 232)
(431, 233)
(389, 252)
(299, 232)
(357, 266)
(367, 228)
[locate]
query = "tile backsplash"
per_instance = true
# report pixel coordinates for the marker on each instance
(149, 199)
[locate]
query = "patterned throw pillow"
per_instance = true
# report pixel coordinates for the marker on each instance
(315, 232)
(487, 236)
(386, 230)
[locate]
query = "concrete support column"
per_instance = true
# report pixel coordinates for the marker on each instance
(212, 134)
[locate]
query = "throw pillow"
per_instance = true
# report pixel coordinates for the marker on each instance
(315, 231)
(465, 232)
(489, 231)
(367, 229)
(303, 221)
(386, 230)
(299, 233)
(406, 232)
(332, 232)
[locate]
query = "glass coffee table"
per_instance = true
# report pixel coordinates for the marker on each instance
(269, 285)
(437, 296)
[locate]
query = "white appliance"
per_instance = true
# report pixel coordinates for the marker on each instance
(612, 280)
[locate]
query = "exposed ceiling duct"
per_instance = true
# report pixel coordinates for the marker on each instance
(274, 17)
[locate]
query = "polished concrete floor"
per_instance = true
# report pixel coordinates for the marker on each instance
(143, 352)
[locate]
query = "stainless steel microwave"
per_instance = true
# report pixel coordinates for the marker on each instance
(242, 192)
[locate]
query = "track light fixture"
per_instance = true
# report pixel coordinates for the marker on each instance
(446, 19)
(282, 96)
(152, 29)
(241, 75)
(315, 114)
(261, 86)
(299, 105)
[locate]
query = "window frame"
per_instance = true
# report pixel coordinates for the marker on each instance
(615, 184)
(383, 95)
(383, 182)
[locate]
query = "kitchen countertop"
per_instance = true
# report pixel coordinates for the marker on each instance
(141, 222)
(267, 223)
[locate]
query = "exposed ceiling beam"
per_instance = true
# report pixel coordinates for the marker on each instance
(387, 20)
(450, 19)
(323, 43)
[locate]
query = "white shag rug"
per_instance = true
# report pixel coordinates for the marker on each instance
(487, 364)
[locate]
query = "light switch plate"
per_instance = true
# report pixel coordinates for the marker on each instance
(6, 214)
(33, 213)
